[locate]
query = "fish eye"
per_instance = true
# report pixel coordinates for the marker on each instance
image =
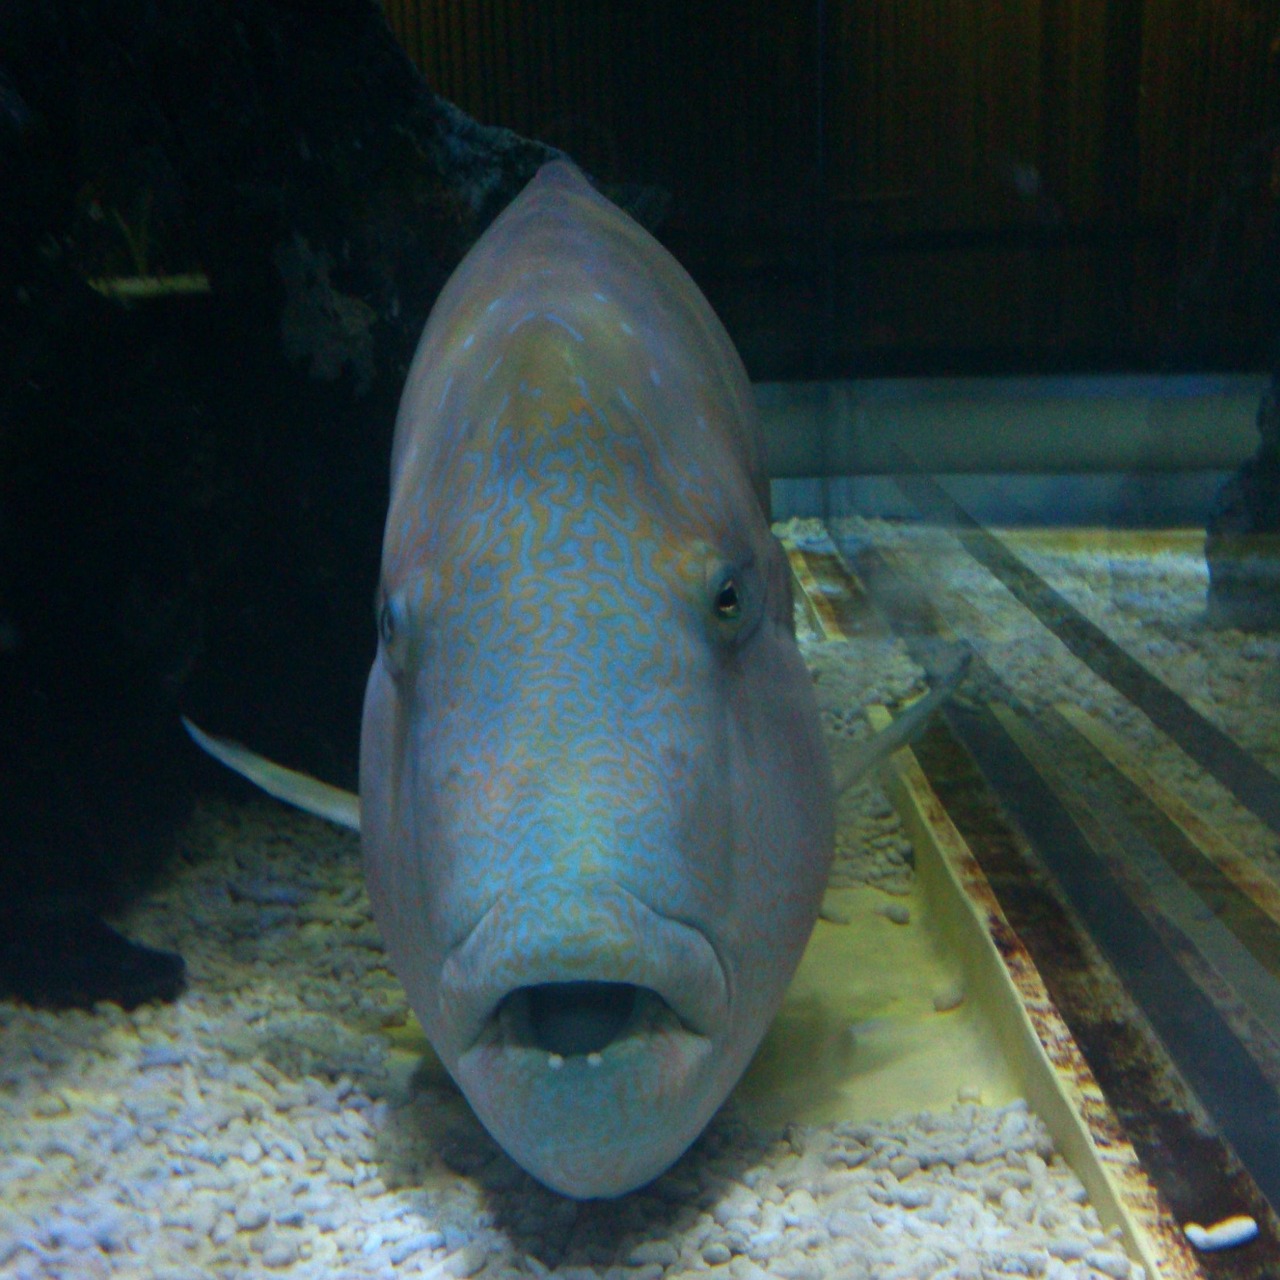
(730, 596)
(402, 611)
(727, 604)
(393, 631)
(387, 623)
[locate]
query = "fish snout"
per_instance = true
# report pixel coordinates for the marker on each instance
(573, 974)
(584, 1028)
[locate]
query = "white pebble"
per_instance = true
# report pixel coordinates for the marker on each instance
(835, 912)
(662, 1252)
(1111, 1263)
(743, 1268)
(466, 1262)
(948, 997)
(800, 1206)
(415, 1244)
(253, 1215)
(913, 1197)
(1069, 1248)
(280, 1252)
(1228, 1233)
(223, 1230)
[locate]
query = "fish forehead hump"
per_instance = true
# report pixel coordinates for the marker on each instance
(568, 317)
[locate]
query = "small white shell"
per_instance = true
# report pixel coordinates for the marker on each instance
(1238, 1229)
(948, 997)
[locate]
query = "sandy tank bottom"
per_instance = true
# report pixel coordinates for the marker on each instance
(286, 1117)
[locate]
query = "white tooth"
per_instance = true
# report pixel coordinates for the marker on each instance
(593, 1059)
(555, 1061)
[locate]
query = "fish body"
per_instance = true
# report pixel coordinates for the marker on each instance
(596, 802)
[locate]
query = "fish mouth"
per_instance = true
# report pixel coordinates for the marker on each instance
(583, 1029)
(592, 1087)
(579, 1019)
(610, 971)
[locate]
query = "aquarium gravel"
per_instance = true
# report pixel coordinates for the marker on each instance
(285, 1116)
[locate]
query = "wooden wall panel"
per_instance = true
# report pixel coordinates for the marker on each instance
(1070, 155)
(1072, 93)
(702, 99)
(1211, 82)
(933, 109)
(933, 101)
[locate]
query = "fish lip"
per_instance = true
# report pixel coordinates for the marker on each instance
(666, 960)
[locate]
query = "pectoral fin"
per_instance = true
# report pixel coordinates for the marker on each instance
(299, 789)
(865, 756)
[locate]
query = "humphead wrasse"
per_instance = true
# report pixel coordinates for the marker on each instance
(595, 800)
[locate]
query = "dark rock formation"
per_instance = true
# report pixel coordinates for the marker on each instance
(192, 484)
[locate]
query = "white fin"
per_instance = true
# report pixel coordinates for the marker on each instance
(299, 789)
(858, 761)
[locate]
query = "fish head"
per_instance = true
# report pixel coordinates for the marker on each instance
(596, 803)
